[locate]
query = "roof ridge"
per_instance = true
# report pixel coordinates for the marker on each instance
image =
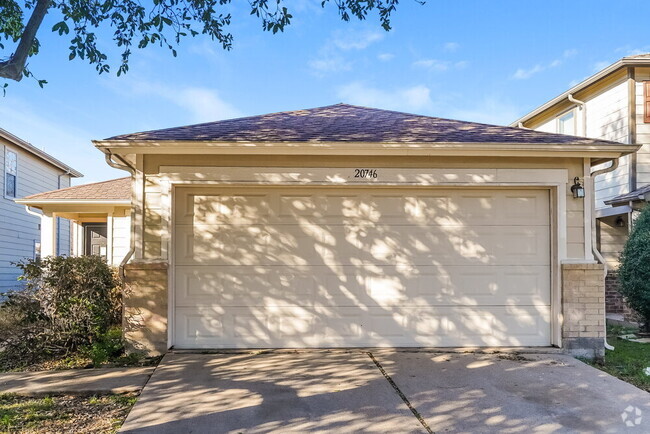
(281, 112)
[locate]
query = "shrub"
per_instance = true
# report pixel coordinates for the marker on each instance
(67, 303)
(634, 272)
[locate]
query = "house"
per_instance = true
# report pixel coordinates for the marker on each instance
(613, 104)
(26, 170)
(346, 226)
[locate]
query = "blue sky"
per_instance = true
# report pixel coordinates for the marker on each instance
(473, 60)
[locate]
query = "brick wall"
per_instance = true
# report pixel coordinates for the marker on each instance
(145, 307)
(583, 309)
(614, 302)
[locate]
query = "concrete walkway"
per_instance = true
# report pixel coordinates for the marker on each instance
(383, 391)
(75, 381)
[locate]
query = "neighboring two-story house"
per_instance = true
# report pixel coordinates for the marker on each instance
(613, 104)
(26, 170)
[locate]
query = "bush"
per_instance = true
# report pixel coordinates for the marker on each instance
(67, 303)
(634, 272)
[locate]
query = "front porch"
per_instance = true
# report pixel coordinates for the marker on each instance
(99, 215)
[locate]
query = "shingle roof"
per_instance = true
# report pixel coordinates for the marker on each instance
(348, 123)
(636, 195)
(639, 56)
(115, 189)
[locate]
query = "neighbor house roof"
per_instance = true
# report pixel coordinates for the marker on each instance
(17, 141)
(349, 123)
(640, 194)
(638, 60)
(115, 190)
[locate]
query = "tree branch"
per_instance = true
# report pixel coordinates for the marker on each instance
(13, 68)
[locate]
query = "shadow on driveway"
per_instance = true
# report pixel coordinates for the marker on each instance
(344, 391)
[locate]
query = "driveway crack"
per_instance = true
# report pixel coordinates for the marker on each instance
(417, 414)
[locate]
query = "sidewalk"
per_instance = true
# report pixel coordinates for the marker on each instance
(76, 381)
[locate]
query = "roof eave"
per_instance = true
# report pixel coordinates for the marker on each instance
(39, 153)
(593, 150)
(580, 86)
(46, 202)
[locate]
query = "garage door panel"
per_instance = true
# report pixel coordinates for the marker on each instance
(352, 326)
(366, 286)
(328, 244)
(305, 267)
(470, 208)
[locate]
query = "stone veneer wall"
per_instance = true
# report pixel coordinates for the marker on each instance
(583, 309)
(145, 307)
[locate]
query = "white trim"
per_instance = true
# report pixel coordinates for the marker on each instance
(558, 122)
(7, 150)
(109, 238)
(556, 180)
(587, 207)
(598, 148)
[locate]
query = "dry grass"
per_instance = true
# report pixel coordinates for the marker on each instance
(64, 414)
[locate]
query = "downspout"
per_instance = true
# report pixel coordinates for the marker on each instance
(31, 212)
(594, 248)
(583, 109)
(124, 166)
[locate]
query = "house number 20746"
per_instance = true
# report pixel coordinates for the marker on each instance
(365, 173)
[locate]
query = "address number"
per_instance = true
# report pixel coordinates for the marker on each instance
(365, 173)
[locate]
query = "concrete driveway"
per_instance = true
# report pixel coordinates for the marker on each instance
(383, 391)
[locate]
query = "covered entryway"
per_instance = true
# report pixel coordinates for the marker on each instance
(347, 266)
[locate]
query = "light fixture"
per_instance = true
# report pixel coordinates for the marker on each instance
(577, 189)
(620, 222)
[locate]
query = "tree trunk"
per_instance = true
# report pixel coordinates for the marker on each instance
(13, 68)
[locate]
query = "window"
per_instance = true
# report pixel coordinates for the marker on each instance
(646, 101)
(11, 171)
(37, 250)
(566, 124)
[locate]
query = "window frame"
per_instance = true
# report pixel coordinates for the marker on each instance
(6, 172)
(559, 122)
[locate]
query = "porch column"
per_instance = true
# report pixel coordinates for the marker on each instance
(48, 235)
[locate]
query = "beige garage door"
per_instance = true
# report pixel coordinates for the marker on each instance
(325, 267)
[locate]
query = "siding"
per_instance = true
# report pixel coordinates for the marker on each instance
(19, 231)
(642, 131)
(611, 240)
(607, 118)
(121, 236)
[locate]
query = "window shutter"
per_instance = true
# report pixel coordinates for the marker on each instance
(646, 101)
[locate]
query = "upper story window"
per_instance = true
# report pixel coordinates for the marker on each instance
(566, 124)
(11, 173)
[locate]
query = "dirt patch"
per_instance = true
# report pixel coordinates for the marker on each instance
(515, 357)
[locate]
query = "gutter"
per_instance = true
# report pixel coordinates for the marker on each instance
(582, 85)
(594, 248)
(583, 108)
(124, 166)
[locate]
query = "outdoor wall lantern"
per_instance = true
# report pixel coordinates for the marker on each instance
(577, 189)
